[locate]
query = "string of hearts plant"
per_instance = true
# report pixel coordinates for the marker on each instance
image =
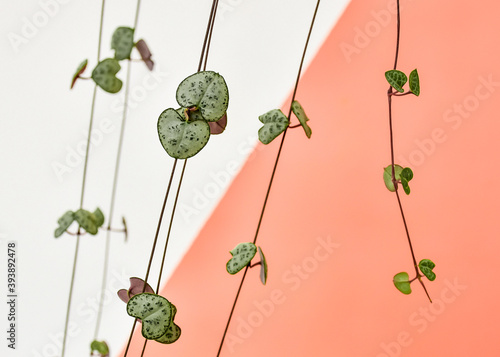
(203, 98)
(395, 175)
(104, 76)
(275, 123)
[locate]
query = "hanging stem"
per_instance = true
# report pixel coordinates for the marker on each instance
(208, 37)
(84, 179)
(202, 64)
(153, 248)
(272, 174)
(113, 190)
(170, 227)
(390, 94)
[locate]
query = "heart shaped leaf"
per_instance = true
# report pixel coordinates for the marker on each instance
(426, 267)
(218, 127)
(388, 176)
(87, 221)
(154, 311)
(396, 79)
(173, 332)
(100, 347)
(145, 53)
(123, 42)
(207, 91)
(64, 223)
(99, 217)
(275, 122)
(405, 176)
(263, 267)
(182, 139)
(242, 255)
(104, 75)
(402, 283)
(81, 68)
(414, 82)
(301, 115)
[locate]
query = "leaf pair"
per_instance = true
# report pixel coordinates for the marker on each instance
(401, 175)
(204, 99)
(402, 281)
(275, 122)
(90, 221)
(104, 74)
(398, 79)
(157, 316)
(242, 256)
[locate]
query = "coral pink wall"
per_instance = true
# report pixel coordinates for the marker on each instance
(332, 233)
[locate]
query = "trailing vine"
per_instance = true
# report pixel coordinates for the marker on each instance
(104, 76)
(274, 123)
(203, 98)
(395, 175)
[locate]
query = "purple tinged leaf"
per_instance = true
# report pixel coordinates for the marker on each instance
(145, 53)
(136, 286)
(217, 127)
(123, 295)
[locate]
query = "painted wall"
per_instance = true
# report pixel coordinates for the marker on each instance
(332, 233)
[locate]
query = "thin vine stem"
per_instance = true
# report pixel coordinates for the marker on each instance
(170, 226)
(114, 187)
(155, 241)
(144, 347)
(232, 311)
(202, 64)
(208, 37)
(272, 174)
(84, 179)
(390, 94)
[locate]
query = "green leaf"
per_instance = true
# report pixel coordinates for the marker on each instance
(275, 122)
(402, 283)
(402, 175)
(242, 255)
(173, 332)
(87, 221)
(426, 267)
(100, 346)
(123, 42)
(154, 311)
(406, 176)
(388, 176)
(99, 217)
(104, 75)
(414, 82)
(182, 139)
(396, 79)
(81, 68)
(64, 223)
(301, 115)
(263, 267)
(407, 173)
(405, 185)
(207, 91)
